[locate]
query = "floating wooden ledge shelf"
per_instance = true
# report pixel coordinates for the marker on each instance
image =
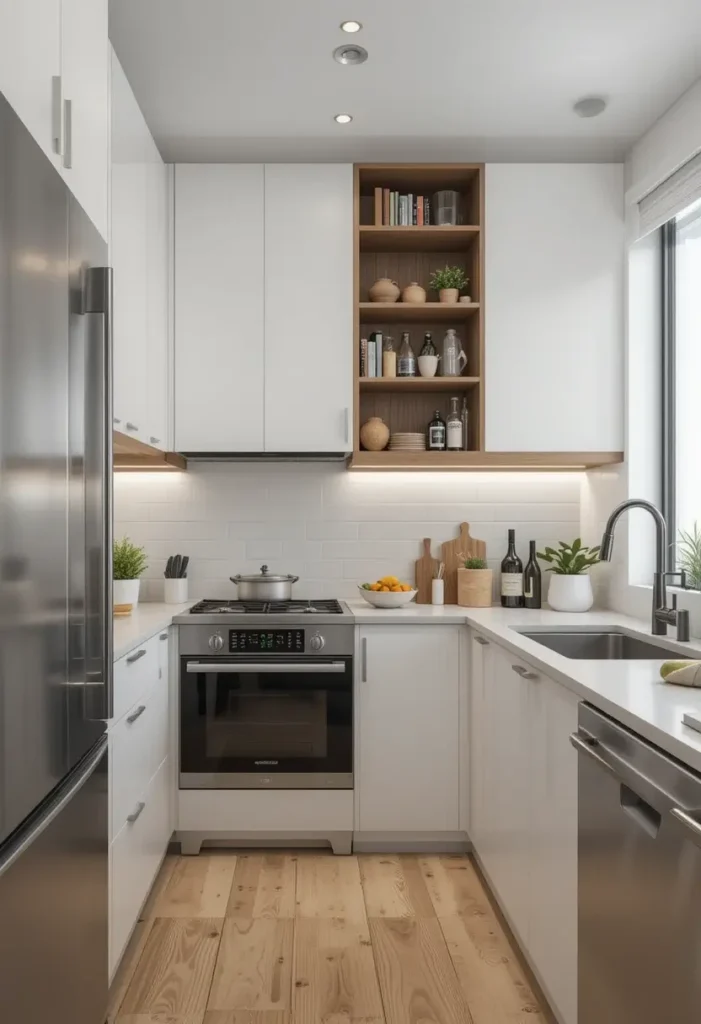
(130, 455)
(483, 461)
(417, 385)
(406, 312)
(427, 238)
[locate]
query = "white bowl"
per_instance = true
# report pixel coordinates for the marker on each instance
(379, 599)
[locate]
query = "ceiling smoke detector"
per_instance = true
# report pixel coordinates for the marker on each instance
(343, 118)
(349, 53)
(589, 106)
(351, 26)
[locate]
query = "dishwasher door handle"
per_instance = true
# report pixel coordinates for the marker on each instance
(686, 819)
(588, 747)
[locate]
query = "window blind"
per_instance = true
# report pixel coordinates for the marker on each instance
(671, 197)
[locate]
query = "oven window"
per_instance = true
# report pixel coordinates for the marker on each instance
(246, 722)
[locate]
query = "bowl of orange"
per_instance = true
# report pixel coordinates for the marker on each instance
(388, 592)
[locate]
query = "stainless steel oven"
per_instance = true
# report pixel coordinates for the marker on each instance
(266, 706)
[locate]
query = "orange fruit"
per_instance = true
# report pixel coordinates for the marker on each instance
(396, 590)
(374, 586)
(384, 590)
(405, 587)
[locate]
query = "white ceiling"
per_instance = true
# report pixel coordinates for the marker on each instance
(456, 79)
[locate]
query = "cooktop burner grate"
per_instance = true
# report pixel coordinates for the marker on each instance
(327, 606)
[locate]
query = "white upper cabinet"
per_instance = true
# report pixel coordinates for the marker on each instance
(554, 307)
(139, 256)
(219, 308)
(408, 729)
(85, 70)
(308, 346)
(30, 57)
(54, 71)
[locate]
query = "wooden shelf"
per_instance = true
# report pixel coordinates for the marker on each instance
(414, 385)
(449, 461)
(407, 312)
(130, 454)
(427, 238)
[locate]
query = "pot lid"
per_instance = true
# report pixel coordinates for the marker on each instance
(265, 576)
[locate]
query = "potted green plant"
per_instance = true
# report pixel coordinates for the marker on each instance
(689, 555)
(448, 282)
(475, 584)
(570, 586)
(128, 564)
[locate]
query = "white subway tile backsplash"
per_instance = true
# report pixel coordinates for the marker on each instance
(332, 528)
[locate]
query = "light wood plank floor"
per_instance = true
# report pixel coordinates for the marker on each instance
(309, 938)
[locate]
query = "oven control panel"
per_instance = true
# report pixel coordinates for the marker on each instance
(273, 641)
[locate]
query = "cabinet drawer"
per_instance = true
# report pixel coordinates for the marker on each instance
(135, 856)
(134, 674)
(131, 759)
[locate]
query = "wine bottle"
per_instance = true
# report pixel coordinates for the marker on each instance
(436, 433)
(454, 427)
(512, 576)
(532, 580)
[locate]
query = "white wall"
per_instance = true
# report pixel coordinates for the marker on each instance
(331, 527)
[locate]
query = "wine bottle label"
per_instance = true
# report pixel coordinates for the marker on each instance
(436, 437)
(512, 584)
(407, 368)
(528, 592)
(455, 436)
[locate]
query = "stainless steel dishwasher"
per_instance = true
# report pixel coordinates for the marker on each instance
(639, 879)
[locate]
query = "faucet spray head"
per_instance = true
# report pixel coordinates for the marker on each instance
(606, 547)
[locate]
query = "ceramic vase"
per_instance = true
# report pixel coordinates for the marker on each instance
(428, 365)
(570, 593)
(414, 294)
(449, 295)
(374, 434)
(125, 596)
(175, 590)
(475, 588)
(384, 290)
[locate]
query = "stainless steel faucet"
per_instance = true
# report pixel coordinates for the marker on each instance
(661, 614)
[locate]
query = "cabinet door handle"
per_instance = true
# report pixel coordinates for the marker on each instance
(364, 660)
(116, 420)
(131, 818)
(686, 819)
(68, 134)
(136, 714)
(155, 440)
(163, 636)
(481, 640)
(56, 115)
(131, 426)
(523, 672)
(135, 657)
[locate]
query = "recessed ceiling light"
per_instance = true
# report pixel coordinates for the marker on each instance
(349, 53)
(351, 26)
(343, 118)
(590, 106)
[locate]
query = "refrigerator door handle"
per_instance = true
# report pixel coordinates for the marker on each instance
(17, 848)
(98, 299)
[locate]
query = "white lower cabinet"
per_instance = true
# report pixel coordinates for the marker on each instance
(523, 809)
(408, 699)
(141, 788)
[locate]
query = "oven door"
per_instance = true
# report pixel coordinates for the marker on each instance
(266, 722)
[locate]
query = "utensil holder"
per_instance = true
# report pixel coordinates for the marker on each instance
(437, 591)
(175, 590)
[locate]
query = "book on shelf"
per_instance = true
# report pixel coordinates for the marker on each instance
(394, 209)
(376, 340)
(363, 357)
(378, 206)
(372, 366)
(385, 206)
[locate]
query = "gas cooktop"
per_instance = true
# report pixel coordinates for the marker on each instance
(323, 607)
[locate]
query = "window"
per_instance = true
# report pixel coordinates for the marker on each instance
(681, 377)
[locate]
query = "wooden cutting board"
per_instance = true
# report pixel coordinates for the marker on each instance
(454, 553)
(426, 568)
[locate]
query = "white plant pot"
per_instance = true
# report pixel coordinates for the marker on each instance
(125, 595)
(570, 593)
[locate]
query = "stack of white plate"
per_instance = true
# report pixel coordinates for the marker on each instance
(407, 442)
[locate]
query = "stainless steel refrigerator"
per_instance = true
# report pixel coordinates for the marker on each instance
(55, 593)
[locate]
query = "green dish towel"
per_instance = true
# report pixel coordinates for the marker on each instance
(685, 673)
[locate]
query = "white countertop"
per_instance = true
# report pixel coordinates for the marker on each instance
(146, 619)
(410, 615)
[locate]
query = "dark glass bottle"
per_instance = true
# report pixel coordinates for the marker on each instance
(532, 580)
(428, 348)
(436, 433)
(512, 576)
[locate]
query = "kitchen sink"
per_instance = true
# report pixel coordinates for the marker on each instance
(606, 645)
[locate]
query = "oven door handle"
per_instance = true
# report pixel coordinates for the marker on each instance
(266, 667)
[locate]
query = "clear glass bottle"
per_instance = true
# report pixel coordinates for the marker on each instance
(454, 359)
(465, 418)
(407, 360)
(453, 428)
(436, 433)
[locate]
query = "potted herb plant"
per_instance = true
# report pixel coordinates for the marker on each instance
(689, 555)
(128, 564)
(448, 282)
(570, 586)
(475, 584)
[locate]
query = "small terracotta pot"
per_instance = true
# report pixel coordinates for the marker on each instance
(450, 295)
(475, 588)
(384, 290)
(414, 294)
(374, 434)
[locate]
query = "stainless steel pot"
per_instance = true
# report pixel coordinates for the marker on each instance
(264, 586)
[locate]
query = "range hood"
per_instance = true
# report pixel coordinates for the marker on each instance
(266, 456)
